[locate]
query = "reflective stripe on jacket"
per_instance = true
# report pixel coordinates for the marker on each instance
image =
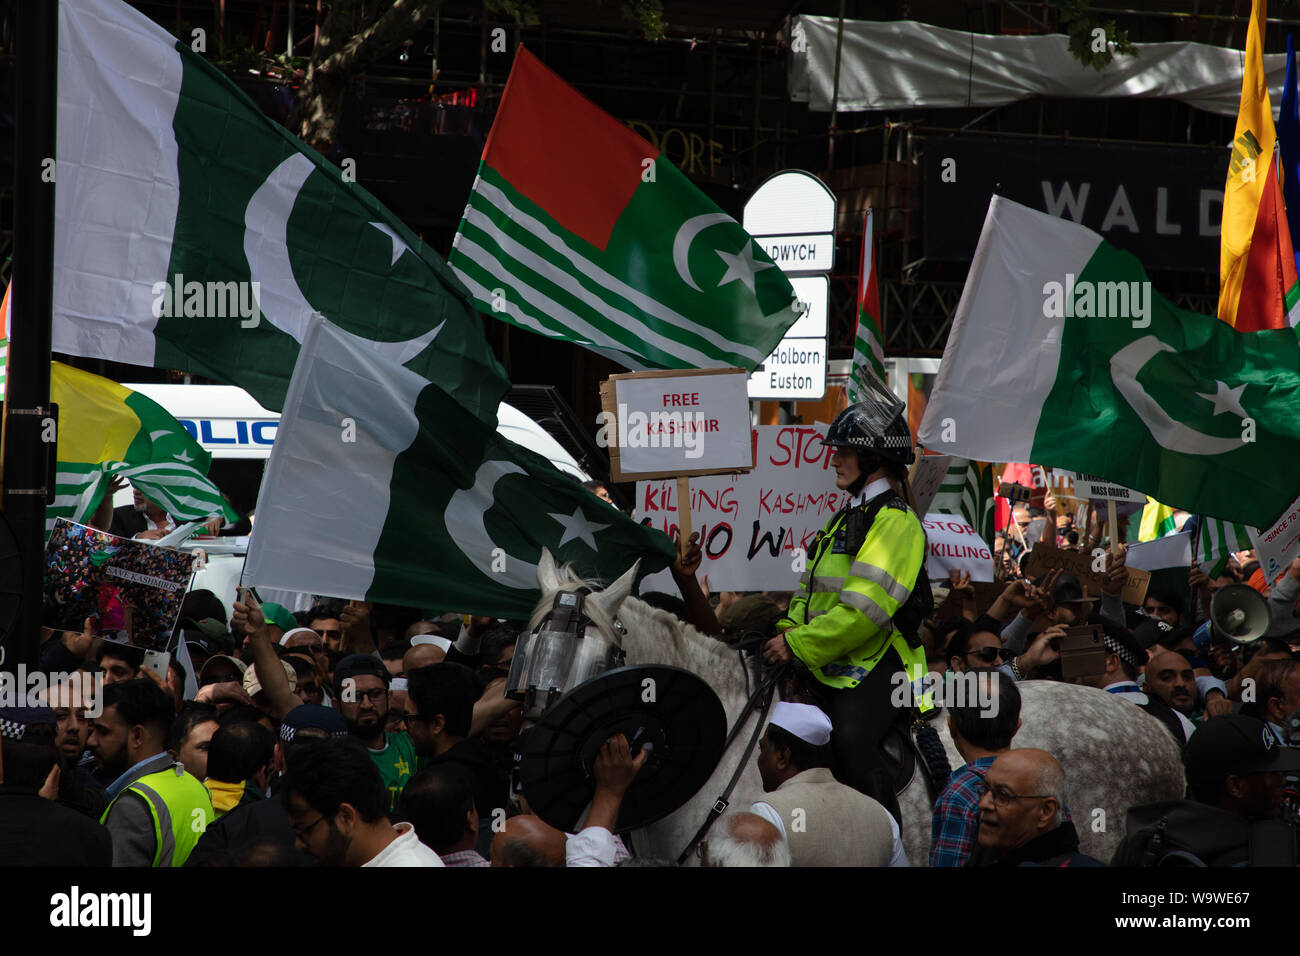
(840, 619)
(180, 808)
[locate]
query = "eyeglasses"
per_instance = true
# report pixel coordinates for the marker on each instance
(301, 834)
(989, 654)
(374, 695)
(1002, 797)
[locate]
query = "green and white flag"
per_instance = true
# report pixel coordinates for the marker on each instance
(1096, 373)
(1216, 541)
(578, 229)
(967, 490)
(379, 488)
(193, 232)
(868, 341)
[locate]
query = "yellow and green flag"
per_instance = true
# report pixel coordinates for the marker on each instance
(105, 430)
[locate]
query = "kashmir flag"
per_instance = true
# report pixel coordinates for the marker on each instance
(1118, 383)
(868, 341)
(1216, 541)
(967, 490)
(106, 429)
(1257, 269)
(193, 232)
(578, 229)
(415, 503)
(1157, 521)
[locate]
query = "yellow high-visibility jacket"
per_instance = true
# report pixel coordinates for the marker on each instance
(840, 620)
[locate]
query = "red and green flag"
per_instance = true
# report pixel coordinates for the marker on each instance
(1257, 270)
(868, 342)
(580, 230)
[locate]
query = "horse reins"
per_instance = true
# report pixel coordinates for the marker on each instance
(760, 700)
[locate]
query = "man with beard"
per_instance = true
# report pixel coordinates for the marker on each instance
(440, 718)
(361, 688)
(78, 786)
(1169, 676)
(158, 810)
(336, 802)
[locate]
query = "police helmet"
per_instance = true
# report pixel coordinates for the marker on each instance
(877, 425)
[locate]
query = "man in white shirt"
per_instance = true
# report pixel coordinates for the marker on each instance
(338, 807)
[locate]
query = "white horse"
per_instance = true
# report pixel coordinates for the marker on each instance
(1115, 756)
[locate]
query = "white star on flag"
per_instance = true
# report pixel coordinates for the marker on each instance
(1226, 399)
(577, 526)
(184, 456)
(399, 246)
(741, 266)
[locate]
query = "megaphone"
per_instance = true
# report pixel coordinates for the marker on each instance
(1238, 615)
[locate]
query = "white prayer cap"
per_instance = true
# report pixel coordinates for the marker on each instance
(810, 724)
(397, 683)
(444, 643)
(297, 630)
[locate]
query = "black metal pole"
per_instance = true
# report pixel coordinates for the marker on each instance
(27, 386)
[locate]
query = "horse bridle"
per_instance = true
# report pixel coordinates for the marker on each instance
(760, 700)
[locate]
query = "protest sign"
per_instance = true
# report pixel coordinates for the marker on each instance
(680, 423)
(950, 602)
(1046, 558)
(751, 525)
(1099, 489)
(926, 478)
(953, 545)
(1279, 545)
(89, 572)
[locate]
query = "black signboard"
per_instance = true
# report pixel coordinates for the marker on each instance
(1161, 203)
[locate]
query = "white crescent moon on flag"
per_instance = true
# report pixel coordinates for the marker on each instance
(1168, 433)
(464, 521)
(266, 226)
(686, 235)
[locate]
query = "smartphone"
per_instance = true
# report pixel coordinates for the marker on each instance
(1015, 492)
(1083, 652)
(158, 662)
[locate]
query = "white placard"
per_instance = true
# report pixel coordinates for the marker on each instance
(1279, 545)
(926, 479)
(681, 424)
(1099, 489)
(751, 525)
(796, 369)
(953, 545)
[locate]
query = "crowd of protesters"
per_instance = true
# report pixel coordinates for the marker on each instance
(354, 734)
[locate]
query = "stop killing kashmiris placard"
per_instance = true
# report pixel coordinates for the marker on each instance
(751, 525)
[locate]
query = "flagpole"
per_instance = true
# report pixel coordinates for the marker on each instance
(27, 391)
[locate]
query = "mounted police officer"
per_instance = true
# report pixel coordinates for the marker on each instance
(854, 622)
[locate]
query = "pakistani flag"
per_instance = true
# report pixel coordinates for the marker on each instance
(192, 232)
(380, 488)
(106, 430)
(1093, 372)
(967, 490)
(578, 229)
(869, 342)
